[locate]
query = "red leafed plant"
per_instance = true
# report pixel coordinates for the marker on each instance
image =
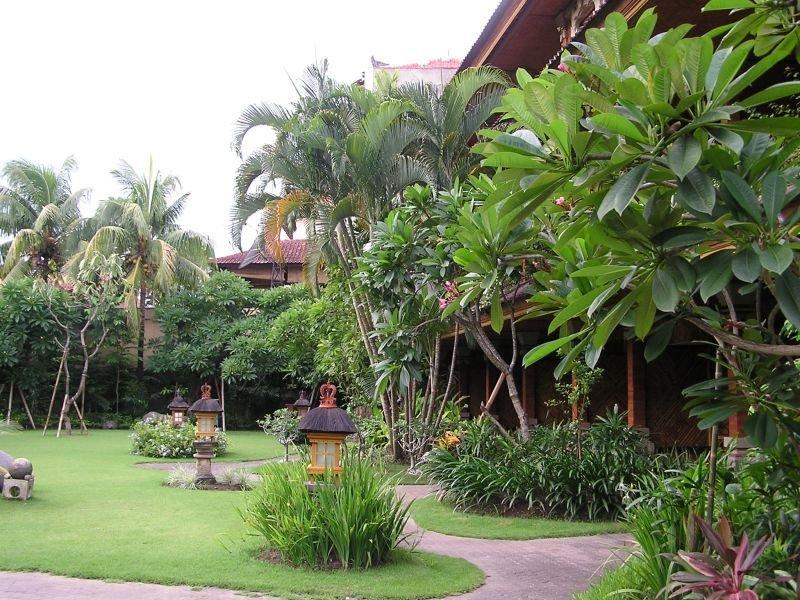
(722, 578)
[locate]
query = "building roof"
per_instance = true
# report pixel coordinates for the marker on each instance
(436, 63)
(294, 253)
(524, 33)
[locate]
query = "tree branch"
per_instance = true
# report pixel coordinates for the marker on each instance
(788, 350)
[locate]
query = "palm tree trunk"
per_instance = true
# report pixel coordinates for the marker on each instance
(140, 339)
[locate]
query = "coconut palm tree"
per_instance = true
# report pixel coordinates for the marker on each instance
(142, 227)
(37, 210)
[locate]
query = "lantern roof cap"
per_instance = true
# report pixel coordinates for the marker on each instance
(178, 402)
(302, 400)
(206, 402)
(327, 417)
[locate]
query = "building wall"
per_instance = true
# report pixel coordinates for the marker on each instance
(438, 77)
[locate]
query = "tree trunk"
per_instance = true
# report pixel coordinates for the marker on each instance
(140, 338)
(474, 326)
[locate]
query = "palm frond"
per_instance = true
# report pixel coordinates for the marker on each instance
(460, 90)
(242, 210)
(276, 214)
(257, 115)
(24, 243)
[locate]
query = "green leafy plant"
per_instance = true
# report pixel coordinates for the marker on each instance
(283, 425)
(353, 523)
(160, 439)
(546, 473)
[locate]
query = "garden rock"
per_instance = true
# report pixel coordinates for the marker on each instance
(153, 417)
(20, 468)
(111, 424)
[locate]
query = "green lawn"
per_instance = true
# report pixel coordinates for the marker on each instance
(400, 473)
(431, 514)
(95, 514)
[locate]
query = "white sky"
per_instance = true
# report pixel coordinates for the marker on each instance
(103, 81)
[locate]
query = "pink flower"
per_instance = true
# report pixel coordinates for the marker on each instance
(450, 286)
(563, 68)
(443, 303)
(560, 201)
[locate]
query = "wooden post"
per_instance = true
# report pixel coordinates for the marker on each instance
(637, 404)
(53, 395)
(576, 408)
(222, 400)
(27, 408)
(736, 425)
(526, 405)
(10, 397)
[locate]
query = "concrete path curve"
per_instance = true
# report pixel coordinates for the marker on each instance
(546, 569)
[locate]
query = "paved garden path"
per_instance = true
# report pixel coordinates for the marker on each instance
(216, 467)
(548, 569)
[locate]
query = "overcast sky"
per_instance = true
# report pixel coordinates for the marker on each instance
(103, 81)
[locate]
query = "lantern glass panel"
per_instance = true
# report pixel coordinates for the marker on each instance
(206, 423)
(178, 416)
(328, 458)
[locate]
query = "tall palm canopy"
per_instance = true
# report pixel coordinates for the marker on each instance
(142, 227)
(37, 210)
(343, 154)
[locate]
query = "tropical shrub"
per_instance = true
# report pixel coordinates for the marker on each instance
(725, 575)
(353, 525)
(546, 473)
(160, 439)
(759, 498)
(283, 425)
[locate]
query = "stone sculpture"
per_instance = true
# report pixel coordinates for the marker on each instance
(16, 477)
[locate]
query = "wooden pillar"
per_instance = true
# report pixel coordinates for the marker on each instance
(637, 403)
(736, 425)
(525, 402)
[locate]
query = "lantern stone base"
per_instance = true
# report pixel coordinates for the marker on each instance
(204, 452)
(18, 489)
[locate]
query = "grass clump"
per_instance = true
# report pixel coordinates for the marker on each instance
(241, 478)
(353, 524)
(182, 476)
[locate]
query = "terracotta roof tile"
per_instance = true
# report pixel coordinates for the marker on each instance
(294, 253)
(437, 63)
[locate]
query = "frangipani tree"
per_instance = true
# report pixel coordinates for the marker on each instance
(663, 201)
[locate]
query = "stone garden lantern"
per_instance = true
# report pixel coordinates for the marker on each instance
(205, 411)
(302, 405)
(177, 409)
(326, 426)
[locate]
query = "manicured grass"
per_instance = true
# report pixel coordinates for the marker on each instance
(96, 515)
(612, 585)
(431, 514)
(399, 472)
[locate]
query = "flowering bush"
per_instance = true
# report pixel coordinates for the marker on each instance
(161, 439)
